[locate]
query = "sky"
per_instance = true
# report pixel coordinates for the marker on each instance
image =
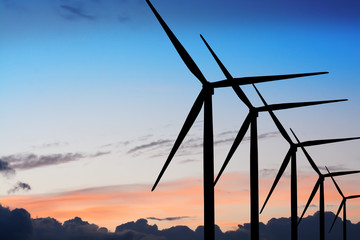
(93, 95)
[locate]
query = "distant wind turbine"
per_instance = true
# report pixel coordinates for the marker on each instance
(291, 156)
(251, 121)
(342, 206)
(205, 97)
(320, 184)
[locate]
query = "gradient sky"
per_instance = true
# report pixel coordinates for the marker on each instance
(93, 95)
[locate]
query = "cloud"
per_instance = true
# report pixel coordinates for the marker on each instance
(168, 218)
(268, 172)
(188, 161)
(20, 186)
(31, 160)
(151, 145)
(17, 224)
(28, 161)
(98, 154)
(5, 169)
(74, 12)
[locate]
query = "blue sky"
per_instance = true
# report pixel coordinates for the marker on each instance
(93, 93)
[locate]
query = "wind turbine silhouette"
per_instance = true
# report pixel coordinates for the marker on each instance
(205, 97)
(291, 156)
(251, 120)
(320, 184)
(342, 205)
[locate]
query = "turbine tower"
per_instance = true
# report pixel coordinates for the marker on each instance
(205, 97)
(291, 156)
(342, 206)
(251, 121)
(320, 184)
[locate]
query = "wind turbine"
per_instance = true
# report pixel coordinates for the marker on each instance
(251, 121)
(291, 156)
(320, 184)
(205, 97)
(342, 205)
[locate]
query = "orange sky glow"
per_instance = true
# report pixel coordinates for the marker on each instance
(114, 205)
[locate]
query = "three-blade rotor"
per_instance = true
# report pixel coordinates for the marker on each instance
(319, 182)
(343, 201)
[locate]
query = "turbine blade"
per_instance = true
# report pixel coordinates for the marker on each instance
(236, 143)
(223, 68)
(353, 196)
(236, 88)
(189, 62)
(337, 214)
(310, 160)
(278, 176)
(194, 112)
(259, 79)
(326, 141)
(316, 187)
(282, 106)
(275, 119)
(337, 186)
(239, 92)
(342, 173)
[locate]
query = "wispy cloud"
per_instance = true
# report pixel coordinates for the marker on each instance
(188, 161)
(149, 145)
(28, 161)
(74, 12)
(191, 145)
(31, 160)
(168, 218)
(19, 186)
(98, 154)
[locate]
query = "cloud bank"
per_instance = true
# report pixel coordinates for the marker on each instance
(18, 225)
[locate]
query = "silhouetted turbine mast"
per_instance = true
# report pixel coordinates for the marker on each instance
(291, 156)
(251, 120)
(342, 206)
(320, 185)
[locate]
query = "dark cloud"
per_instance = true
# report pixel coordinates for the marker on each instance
(5, 169)
(20, 186)
(168, 218)
(15, 224)
(18, 225)
(74, 12)
(28, 161)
